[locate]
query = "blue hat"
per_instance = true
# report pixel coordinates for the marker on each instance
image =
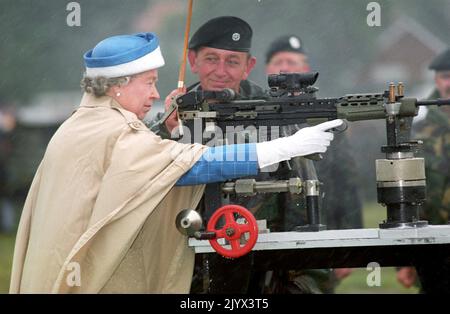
(124, 55)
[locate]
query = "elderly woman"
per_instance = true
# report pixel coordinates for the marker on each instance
(100, 213)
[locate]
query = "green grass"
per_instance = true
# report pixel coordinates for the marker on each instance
(355, 283)
(373, 214)
(6, 254)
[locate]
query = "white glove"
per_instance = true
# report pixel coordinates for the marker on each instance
(304, 142)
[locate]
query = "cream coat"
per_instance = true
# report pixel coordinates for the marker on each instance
(100, 213)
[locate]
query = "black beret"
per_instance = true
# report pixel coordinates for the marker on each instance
(224, 32)
(284, 43)
(441, 62)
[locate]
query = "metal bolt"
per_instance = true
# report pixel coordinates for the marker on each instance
(229, 232)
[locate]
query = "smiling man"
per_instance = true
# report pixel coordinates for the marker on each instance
(219, 53)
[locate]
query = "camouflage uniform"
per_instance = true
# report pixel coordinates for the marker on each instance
(341, 202)
(435, 132)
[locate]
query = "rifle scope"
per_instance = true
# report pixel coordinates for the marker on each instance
(292, 81)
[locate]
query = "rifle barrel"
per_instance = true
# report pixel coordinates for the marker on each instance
(436, 102)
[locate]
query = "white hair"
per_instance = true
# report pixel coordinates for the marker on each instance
(100, 85)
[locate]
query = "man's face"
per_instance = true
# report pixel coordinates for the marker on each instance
(289, 62)
(218, 69)
(442, 80)
(138, 95)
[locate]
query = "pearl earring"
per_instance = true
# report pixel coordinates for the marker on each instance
(118, 94)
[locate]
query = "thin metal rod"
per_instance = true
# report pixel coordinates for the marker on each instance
(185, 47)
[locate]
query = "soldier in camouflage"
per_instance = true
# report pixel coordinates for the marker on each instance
(434, 130)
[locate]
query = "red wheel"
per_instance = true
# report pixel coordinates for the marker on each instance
(233, 231)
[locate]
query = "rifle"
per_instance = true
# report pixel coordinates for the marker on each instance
(292, 100)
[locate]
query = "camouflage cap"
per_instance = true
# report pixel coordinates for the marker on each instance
(224, 32)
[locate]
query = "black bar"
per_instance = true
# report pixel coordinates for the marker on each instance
(436, 102)
(314, 258)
